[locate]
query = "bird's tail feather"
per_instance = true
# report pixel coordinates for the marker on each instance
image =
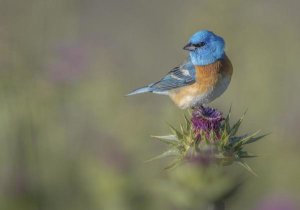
(140, 90)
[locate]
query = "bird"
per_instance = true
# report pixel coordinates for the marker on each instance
(199, 80)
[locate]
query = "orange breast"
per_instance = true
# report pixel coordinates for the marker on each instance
(207, 78)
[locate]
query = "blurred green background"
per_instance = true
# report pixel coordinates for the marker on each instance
(69, 139)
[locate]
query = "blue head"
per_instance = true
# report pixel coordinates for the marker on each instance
(205, 48)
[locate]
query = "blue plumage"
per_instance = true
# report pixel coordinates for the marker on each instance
(211, 48)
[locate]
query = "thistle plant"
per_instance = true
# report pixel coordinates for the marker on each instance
(208, 141)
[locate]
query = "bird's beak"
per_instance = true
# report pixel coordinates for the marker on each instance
(189, 47)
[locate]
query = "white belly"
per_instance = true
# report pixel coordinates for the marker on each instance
(209, 96)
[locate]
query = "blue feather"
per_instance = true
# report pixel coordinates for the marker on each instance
(145, 89)
(178, 77)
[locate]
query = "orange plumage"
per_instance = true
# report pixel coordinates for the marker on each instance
(211, 81)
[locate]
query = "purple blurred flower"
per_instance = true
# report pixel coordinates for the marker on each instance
(206, 119)
(68, 64)
(277, 203)
(203, 158)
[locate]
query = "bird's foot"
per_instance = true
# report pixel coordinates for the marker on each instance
(197, 106)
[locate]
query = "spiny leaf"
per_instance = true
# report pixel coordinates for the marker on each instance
(247, 167)
(187, 123)
(204, 138)
(168, 153)
(235, 139)
(248, 156)
(244, 140)
(191, 133)
(176, 132)
(187, 139)
(254, 139)
(212, 135)
(197, 146)
(224, 139)
(182, 129)
(226, 122)
(173, 164)
(169, 139)
(225, 158)
(248, 138)
(244, 154)
(236, 126)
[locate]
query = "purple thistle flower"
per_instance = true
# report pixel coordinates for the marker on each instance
(206, 119)
(278, 202)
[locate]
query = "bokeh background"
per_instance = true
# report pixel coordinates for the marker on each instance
(69, 139)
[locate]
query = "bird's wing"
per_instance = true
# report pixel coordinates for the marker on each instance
(178, 77)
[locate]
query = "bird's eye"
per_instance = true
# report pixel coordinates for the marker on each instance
(198, 45)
